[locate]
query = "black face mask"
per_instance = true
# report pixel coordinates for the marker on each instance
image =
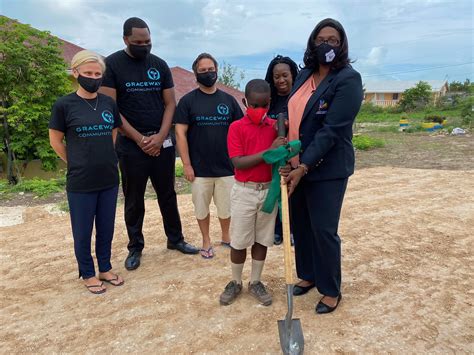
(207, 79)
(89, 84)
(139, 52)
(326, 53)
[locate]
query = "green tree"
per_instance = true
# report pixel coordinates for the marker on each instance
(416, 97)
(457, 86)
(230, 75)
(32, 76)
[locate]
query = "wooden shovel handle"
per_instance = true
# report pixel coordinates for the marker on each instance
(285, 219)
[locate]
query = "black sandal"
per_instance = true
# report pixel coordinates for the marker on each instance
(111, 281)
(96, 292)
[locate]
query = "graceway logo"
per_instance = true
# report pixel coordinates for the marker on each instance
(223, 109)
(107, 116)
(153, 74)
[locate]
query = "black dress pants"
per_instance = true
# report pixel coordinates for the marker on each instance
(136, 167)
(315, 209)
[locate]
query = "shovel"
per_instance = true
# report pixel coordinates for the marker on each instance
(291, 333)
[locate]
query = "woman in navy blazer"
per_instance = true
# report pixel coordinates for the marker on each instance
(324, 102)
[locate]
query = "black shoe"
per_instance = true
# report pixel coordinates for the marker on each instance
(322, 308)
(133, 260)
(278, 239)
(183, 247)
(301, 290)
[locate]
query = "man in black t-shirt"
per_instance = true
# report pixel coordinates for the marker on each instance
(142, 85)
(202, 119)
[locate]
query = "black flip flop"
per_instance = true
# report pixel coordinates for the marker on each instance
(96, 292)
(110, 281)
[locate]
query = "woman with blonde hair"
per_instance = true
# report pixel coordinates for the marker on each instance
(88, 122)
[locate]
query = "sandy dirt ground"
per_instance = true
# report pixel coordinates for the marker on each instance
(407, 281)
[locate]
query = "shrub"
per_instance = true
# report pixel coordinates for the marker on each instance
(416, 97)
(40, 188)
(32, 76)
(365, 142)
(369, 107)
(179, 170)
(457, 86)
(394, 109)
(467, 112)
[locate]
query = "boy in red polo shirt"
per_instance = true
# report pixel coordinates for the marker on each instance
(247, 140)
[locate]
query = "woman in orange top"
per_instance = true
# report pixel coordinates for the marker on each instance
(322, 107)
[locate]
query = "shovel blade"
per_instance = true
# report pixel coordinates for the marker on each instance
(291, 336)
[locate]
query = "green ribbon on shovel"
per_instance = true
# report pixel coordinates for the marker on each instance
(278, 157)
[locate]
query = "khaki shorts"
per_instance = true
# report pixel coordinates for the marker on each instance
(249, 225)
(204, 189)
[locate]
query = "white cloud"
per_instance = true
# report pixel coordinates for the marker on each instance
(376, 56)
(382, 34)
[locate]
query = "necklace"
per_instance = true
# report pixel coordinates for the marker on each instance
(92, 107)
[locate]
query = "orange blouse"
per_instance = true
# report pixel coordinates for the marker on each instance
(296, 107)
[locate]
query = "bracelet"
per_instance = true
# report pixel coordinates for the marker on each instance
(305, 168)
(141, 140)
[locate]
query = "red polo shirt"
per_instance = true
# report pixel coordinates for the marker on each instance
(246, 138)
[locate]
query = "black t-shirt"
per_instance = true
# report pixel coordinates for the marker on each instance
(91, 158)
(139, 84)
(278, 105)
(208, 117)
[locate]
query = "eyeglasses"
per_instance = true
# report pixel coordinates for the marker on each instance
(332, 41)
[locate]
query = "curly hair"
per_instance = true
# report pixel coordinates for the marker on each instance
(269, 76)
(310, 58)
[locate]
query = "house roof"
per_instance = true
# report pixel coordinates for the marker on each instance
(69, 50)
(400, 86)
(184, 80)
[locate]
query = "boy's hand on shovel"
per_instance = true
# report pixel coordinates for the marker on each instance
(284, 170)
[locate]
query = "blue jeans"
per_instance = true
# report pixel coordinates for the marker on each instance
(84, 208)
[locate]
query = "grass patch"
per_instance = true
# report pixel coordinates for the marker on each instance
(387, 116)
(387, 129)
(415, 128)
(365, 142)
(63, 206)
(38, 187)
(178, 169)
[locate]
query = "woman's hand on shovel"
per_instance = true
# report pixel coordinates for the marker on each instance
(293, 178)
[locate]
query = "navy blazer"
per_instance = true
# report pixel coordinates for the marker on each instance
(326, 127)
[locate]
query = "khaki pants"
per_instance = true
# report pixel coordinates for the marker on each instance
(248, 224)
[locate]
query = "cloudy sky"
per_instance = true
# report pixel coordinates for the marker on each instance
(388, 39)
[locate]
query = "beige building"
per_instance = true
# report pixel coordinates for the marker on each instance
(389, 93)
